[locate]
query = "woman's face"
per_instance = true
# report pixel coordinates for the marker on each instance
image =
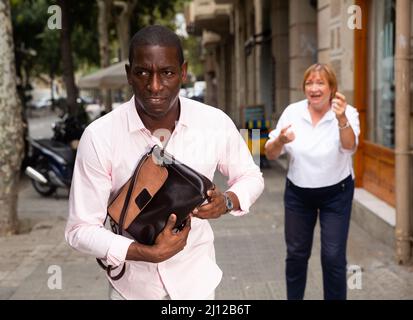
(317, 91)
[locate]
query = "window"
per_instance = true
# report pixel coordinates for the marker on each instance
(382, 86)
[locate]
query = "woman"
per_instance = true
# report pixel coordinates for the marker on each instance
(319, 134)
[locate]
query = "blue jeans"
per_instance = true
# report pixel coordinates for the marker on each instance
(333, 203)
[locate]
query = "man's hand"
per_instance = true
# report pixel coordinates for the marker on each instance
(286, 136)
(215, 207)
(168, 243)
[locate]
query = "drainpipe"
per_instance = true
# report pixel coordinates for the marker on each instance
(402, 114)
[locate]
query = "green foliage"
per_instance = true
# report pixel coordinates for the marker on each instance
(28, 18)
(48, 57)
(192, 52)
(163, 12)
(155, 12)
(85, 42)
(38, 47)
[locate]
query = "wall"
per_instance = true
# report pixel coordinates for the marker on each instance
(302, 43)
(280, 52)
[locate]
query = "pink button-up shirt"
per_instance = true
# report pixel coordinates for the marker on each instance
(205, 139)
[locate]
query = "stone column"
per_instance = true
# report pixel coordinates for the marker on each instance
(302, 43)
(280, 53)
(239, 33)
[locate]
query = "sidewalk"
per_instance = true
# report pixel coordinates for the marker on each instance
(250, 250)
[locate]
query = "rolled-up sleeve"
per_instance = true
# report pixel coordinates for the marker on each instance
(89, 194)
(244, 176)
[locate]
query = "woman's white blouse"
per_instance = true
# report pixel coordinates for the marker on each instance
(316, 157)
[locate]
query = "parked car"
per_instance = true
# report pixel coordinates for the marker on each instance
(199, 88)
(195, 92)
(40, 103)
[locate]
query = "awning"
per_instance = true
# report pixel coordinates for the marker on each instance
(112, 77)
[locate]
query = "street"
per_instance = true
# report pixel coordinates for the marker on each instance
(41, 126)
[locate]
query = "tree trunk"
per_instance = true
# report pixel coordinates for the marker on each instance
(67, 59)
(11, 127)
(52, 97)
(104, 7)
(123, 25)
(123, 21)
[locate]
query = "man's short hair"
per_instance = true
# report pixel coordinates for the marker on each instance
(156, 35)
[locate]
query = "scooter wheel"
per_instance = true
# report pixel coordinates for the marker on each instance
(45, 189)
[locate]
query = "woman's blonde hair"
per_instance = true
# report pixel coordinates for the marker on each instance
(328, 72)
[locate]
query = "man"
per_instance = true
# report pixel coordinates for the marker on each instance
(179, 265)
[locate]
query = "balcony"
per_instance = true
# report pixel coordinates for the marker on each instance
(207, 15)
(210, 39)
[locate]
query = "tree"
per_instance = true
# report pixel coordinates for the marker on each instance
(38, 52)
(155, 12)
(104, 7)
(123, 21)
(132, 15)
(193, 54)
(11, 126)
(67, 58)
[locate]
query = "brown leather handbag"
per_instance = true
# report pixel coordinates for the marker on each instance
(160, 186)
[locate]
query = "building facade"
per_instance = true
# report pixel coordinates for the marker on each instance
(256, 51)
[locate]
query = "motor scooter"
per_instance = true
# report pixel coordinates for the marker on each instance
(51, 165)
(51, 161)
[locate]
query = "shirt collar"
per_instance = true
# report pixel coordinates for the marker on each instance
(306, 114)
(135, 123)
(184, 117)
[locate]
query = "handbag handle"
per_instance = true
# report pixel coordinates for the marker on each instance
(129, 193)
(122, 219)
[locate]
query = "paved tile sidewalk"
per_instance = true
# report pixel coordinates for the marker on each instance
(249, 249)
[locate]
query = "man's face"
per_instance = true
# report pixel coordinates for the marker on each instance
(156, 76)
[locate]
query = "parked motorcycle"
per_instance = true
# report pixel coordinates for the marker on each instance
(51, 166)
(52, 160)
